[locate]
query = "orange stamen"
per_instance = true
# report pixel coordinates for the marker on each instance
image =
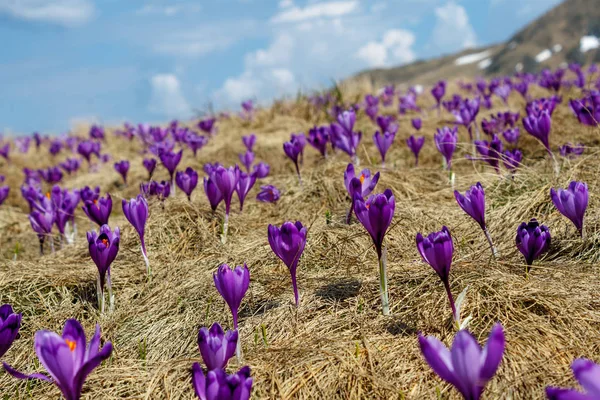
(362, 178)
(72, 345)
(48, 194)
(105, 242)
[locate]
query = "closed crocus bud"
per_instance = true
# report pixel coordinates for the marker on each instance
(437, 250)
(466, 366)
(268, 194)
(150, 165)
(383, 142)
(216, 346)
(261, 170)
(417, 123)
(98, 211)
(445, 141)
(572, 202)
(587, 374)
(247, 159)
(217, 385)
(232, 286)
(512, 159)
(386, 124)
(170, 160)
(532, 240)
(103, 248)
(512, 135)
(89, 194)
(376, 214)
(473, 203)
(136, 212)
(288, 244)
(212, 193)
(538, 125)
(4, 190)
(122, 167)
(249, 141)
(245, 183)
(346, 119)
(10, 323)
(318, 137)
(226, 180)
(415, 143)
(67, 358)
(187, 181)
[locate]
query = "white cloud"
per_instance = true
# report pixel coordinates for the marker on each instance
(318, 10)
(60, 12)
(279, 52)
(168, 11)
(395, 48)
(167, 98)
(452, 30)
(286, 3)
(283, 77)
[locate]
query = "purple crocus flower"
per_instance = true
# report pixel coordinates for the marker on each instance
(247, 159)
(64, 203)
(512, 159)
(417, 123)
(503, 91)
(97, 132)
(376, 214)
(466, 366)
(66, 358)
(55, 147)
(587, 109)
(347, 119)
(122, 167)
(98, 211)
(445, 141)
(571, 151)
(588, 375)
(208, 125)
(216, 346)
(386, 124)
(23, 144)
(383, 142)
(245, 183)
(512, 135)
(41, 221)
(103, 247)
(88, 194)
(170, 160)
(136, 212)
(292, 149)
(150, 165)
(473, 203)
(437, 250)
(70, 165)
(538, 126)
(212, 193)
(361, 185)
(5, 151)
(532, 240)
(438, 92)
(249, 141)
(572, 202)
(217, 385)
(51, 175)
(347, 142)
(288, 244)
(491, 151)
(226, 180)
(195, 142)
(86, 149)
(10, 323)
(415, 143)
(232, 286)
(318, 137)
(261, 170)
(4, 190)
(187, 181)
(268, 194)
(522, 87)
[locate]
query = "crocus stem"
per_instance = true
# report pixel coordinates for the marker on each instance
(349, 215)
(41, 246)
(383, 285)
(298, 172)
(51, 243)
(416, 161)
(489, 239)
(455, 315)
(111, 298)
(225, 228)
(148, 270)
(555, 163)
(100, 294)
(173, 186)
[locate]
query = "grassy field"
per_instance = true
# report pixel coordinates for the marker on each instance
(336, 345)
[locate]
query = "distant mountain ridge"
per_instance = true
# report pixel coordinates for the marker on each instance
(570, 32)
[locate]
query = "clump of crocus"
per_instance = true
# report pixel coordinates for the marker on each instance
(103, 248)
(249, 141)
(491, 152)
(98, 211)
(170, 161)
(245, 183)
(247, 159)
(136, 212)
(292, 149)
(216, 346)
(213, 194)
(10, 323)
(383, 142)
(217, 385)
(4, 190)
(437, 250)
(226, 180)
(445, 141)
(318, 137)
(572, 202)
(361, 185)
(532, 240)
(588, 374)
(288, 243)
(376, 214)
(187, 181)
(466, 366)
(122, 167)
(268, 194)
(473, 203)
(66, 358)
(415, 144)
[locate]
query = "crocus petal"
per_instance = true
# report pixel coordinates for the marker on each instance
(588, 375)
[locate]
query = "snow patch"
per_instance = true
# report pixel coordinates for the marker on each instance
(485, 63)
(472, 58)
(543, 55)
(557, 48)
(519, 67)
(587, 43)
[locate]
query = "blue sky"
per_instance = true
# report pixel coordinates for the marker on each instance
(68, 61)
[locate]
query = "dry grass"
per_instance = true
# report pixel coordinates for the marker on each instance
(336, 345)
